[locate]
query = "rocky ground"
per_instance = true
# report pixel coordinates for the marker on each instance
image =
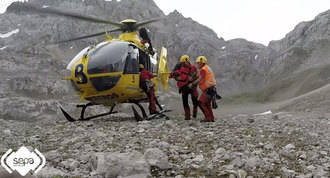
(283, 144)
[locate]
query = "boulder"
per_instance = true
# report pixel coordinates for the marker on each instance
(120, 164)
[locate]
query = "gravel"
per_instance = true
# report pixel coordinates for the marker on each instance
(288, 145)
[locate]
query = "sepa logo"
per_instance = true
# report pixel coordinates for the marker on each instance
(23, 161)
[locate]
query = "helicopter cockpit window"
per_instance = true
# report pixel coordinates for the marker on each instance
(110, 57)
(132, 64)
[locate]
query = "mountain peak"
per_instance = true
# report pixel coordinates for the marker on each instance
(175, 13)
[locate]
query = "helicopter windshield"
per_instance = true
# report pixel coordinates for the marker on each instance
(114, 57)
(76, 58)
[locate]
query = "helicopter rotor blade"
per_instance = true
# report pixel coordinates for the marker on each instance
(79, 38)
(87, 36)
(147, 22)
(47, 10)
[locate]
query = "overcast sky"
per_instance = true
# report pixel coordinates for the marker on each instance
(4, 4)
(255, 20)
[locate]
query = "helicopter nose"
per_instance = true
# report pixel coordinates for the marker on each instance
(105, 82)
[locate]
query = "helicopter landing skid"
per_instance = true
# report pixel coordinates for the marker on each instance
(159, 114)
(82, 118)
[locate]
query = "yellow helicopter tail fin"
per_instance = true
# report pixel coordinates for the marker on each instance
(163, 71)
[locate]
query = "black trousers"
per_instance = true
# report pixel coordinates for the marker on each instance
(185, 91)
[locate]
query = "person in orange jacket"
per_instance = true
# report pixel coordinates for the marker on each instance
(148, 87)
(185, 74)
(207, 83)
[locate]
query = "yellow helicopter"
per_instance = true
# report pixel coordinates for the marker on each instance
(108, 73)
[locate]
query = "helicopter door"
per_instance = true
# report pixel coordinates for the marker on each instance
(132, 64)
(131, 68)
(145, 60)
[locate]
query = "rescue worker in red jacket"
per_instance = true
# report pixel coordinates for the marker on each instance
(148, 87)
(207, 83)
(185, 73)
